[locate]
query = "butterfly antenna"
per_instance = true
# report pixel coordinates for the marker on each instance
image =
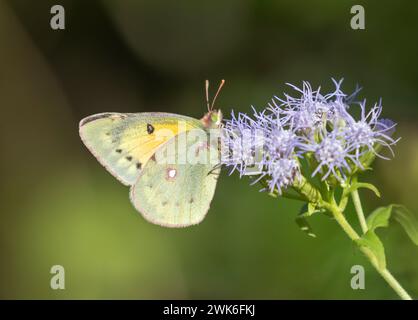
(217, 93)
(215, 167)
(207, 94)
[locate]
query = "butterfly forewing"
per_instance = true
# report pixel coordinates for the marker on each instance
(124, 142)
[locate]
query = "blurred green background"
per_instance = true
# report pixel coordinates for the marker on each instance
(59, 206)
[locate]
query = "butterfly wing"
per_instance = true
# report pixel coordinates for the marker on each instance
(177, 194)
(124, 142)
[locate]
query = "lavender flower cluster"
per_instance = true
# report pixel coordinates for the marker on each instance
(320, 128)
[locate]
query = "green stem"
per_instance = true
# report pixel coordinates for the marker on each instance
(390, 279)
(360, 214)
(357, 205)
(395, 284)
(304, 188)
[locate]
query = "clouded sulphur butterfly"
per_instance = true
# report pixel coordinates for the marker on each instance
(168, 160)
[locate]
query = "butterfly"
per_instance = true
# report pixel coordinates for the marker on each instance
(131, 146)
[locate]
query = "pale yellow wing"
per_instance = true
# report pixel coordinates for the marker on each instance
(178, 194)
(124, 142)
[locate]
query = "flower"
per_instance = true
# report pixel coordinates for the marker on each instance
(282, 172)
(318, 127)
(240, 142)
(313, 109)
(331, 153)
(281, 143)
(386, 126)
(260, 147)
(363, 135)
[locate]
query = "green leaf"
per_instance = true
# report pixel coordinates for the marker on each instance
(370, 187)
(371, 241)
(379, 217)
(358, 185)
(407, 220)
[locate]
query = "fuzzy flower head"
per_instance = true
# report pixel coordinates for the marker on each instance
(364, 134)
(332, 155)
(320, 128)
(282, 172)
(312, 109)
(242, 139)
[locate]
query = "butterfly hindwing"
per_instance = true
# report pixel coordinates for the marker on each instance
(176, 194)
(124, 142)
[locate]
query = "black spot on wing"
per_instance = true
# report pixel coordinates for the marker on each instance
(138, 165)
(129, 158)
(150, 128)
(118, 150)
